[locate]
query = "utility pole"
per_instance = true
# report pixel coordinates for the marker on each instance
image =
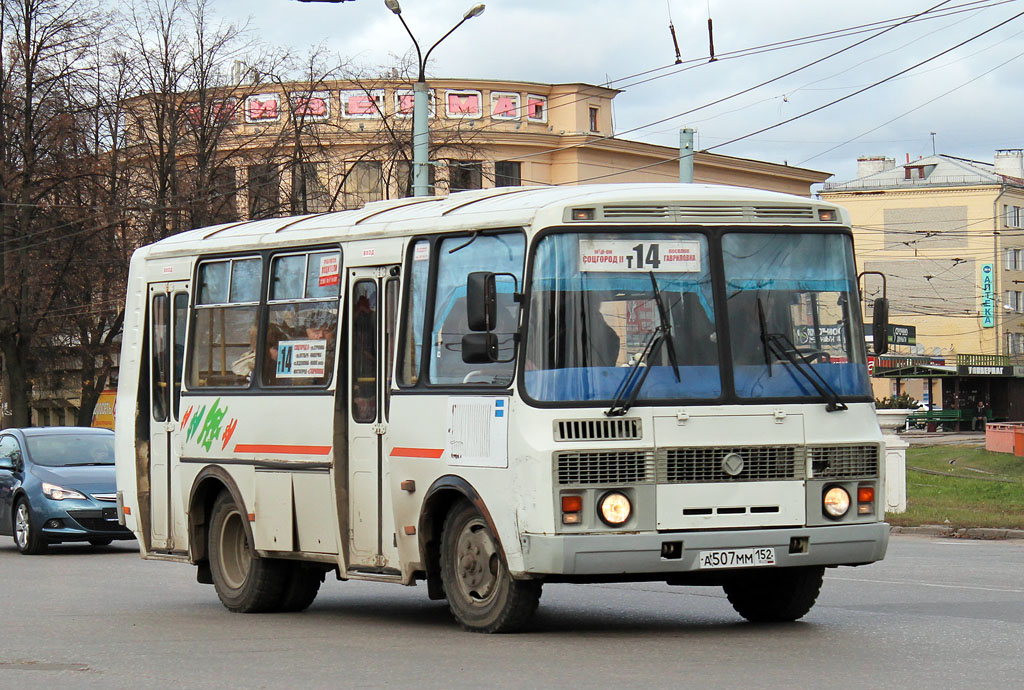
(686, 155)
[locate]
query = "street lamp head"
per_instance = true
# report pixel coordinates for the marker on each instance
(393, 6)
(474, 11)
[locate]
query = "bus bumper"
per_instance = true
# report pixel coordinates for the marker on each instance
(614, 554)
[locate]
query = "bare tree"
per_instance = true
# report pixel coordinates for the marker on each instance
(45, 48)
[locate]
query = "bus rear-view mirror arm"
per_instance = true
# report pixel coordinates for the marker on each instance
(879, 317)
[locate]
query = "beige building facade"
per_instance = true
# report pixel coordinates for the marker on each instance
(296, 148)
(948, 233)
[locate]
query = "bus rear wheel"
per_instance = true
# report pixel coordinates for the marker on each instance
(775, 596)
(300, 588)
(481, 594)
(244, 582)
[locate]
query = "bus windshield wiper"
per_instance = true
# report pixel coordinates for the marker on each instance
(634, 380)
(666, 326)
(784, 348)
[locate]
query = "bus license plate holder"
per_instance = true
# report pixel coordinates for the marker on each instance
(762, 556)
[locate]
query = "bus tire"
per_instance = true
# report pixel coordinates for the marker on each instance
(775, 596)
(482, 595)
(245, 583)
(300, 588)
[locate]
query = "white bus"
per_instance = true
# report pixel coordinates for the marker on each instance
(501, 388)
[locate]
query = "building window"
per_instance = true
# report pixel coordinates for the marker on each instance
(508, 173)
(1013, 217)
(1014, 259)
(593, 120)
(264, 190)
(309, 195)
(223, 206)
(465, 175)
(363, 184)
(1015, 343)
(405, 179)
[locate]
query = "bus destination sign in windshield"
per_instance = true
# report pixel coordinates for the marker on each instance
(625, 256)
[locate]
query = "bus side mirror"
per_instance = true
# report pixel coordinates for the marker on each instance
(479, 348)
(880, 326)
(481, 301)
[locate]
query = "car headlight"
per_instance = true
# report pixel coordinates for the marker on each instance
(836, 502)
(614, 508)
(59, 493)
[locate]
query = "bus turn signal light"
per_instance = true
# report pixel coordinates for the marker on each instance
(865, 500)
(571, 507)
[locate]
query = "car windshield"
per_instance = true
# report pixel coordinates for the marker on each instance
(593, 313)
(64, 450)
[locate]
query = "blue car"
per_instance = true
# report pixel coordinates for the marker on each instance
(57, 485)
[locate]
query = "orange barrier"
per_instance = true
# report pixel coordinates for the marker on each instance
(1005, 437)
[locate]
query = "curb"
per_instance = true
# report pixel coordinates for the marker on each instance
(960, 533)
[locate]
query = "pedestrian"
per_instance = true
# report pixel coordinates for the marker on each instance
(979, 416)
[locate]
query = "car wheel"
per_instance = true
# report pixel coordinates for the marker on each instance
(245, 583)
(26, 532)
(481, 593)
(101, 542)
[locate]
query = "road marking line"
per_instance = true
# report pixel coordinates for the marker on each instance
(928, 584)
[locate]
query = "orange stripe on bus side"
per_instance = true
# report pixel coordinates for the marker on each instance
(417, 452)
(284, 450)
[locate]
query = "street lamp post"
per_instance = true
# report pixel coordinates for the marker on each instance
(420, 105)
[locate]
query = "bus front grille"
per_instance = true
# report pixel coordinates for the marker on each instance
(605, 467)
(843, 462)
(623, 429)
(720, 464)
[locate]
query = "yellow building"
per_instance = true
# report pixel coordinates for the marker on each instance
(948, 233)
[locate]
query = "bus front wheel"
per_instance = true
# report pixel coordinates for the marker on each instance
(481, 594)
(244, 582)
(775, 596)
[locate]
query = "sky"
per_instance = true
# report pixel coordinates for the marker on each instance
(970, 97)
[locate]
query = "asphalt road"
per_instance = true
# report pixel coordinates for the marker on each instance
(937, 613)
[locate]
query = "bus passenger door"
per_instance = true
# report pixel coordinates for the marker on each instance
(168, 311)
(373, 294)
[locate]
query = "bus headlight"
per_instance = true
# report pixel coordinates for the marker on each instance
(836, 502)
(614, 508)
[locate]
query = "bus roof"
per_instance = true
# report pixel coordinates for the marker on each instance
(501, 207)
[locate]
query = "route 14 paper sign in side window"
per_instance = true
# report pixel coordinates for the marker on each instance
(328, 270)
(624, 256)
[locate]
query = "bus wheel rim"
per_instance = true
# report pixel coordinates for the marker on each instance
(235, 555)
(478, 565)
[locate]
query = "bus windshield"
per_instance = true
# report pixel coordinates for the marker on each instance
(790, 307)
(793, 315)
(593, 312)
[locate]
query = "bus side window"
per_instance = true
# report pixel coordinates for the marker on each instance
(160, 334)
(390, 326)
(225, 323)
(302, 319)
(411, 337)
(500, 253)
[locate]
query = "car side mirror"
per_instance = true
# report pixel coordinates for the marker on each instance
(7, 464)
(880, 326)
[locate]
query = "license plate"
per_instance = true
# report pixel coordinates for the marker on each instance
(736, 558)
